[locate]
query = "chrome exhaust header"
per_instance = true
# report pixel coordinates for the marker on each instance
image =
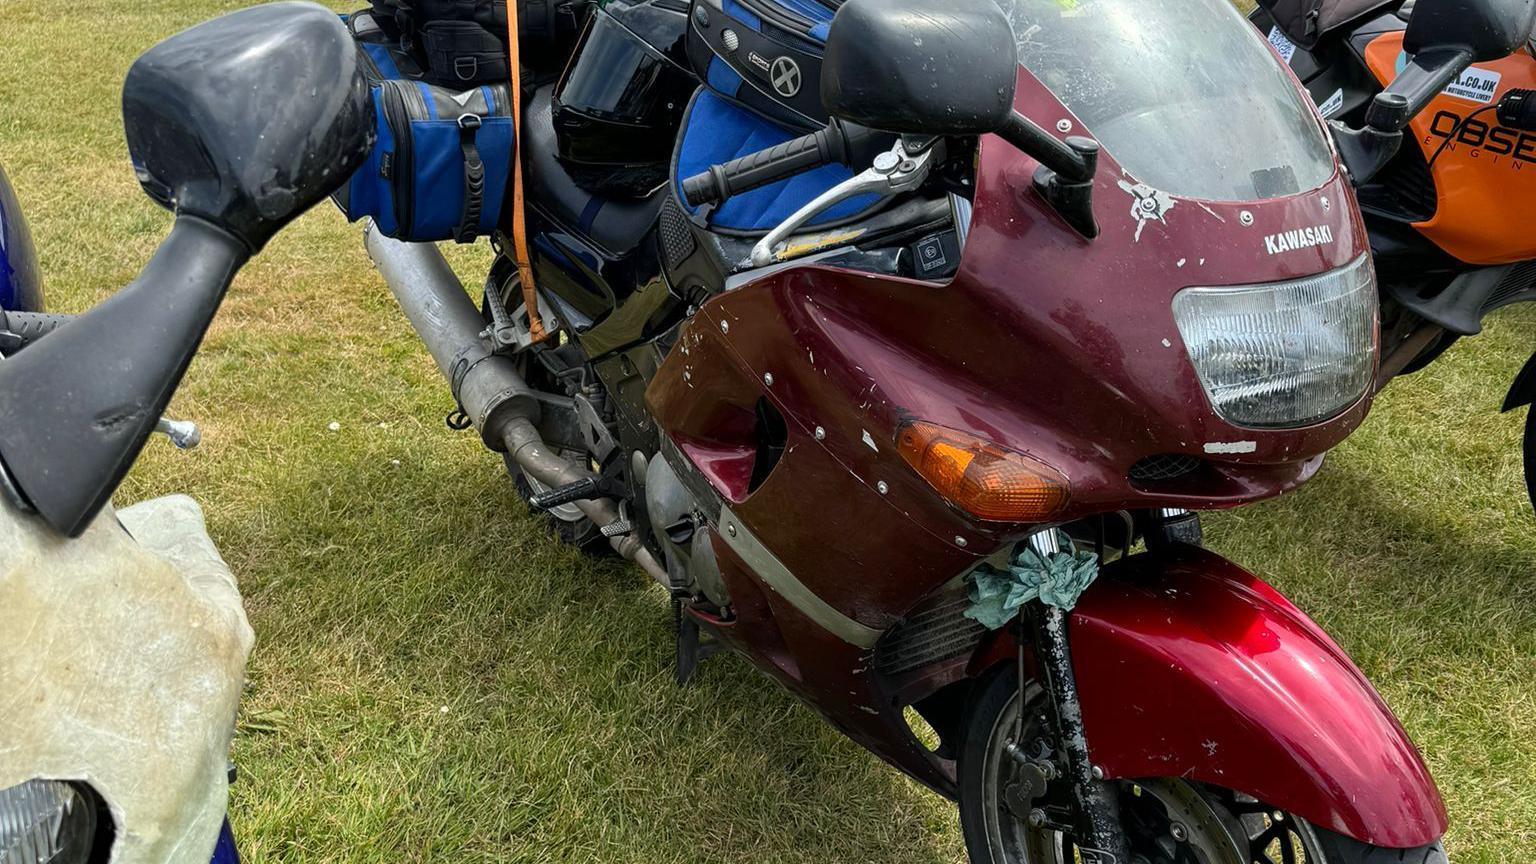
(487, 385)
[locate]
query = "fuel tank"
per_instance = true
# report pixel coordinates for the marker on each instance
(21, 287)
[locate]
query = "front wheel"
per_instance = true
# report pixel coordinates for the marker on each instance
(1166, 821)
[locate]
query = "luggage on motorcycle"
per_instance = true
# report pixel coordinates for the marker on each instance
(619, 105)
(1307, 21)
(463, 54)
(442, 164)
(383, 14)
(463, 43)
(764, 54)
(383, 58)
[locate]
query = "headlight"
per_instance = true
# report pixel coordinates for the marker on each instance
(46, 822)
(1283, 354)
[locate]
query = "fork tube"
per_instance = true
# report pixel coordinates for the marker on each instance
(1098, 807)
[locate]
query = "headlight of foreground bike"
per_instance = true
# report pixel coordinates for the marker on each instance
(46, 822)
(1283, 354)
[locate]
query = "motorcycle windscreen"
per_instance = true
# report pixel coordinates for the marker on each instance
(1185, 94)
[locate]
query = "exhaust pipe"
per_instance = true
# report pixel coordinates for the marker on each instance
(487, 386)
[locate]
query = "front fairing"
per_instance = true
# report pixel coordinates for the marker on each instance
(1044, 342)
(1081, 362)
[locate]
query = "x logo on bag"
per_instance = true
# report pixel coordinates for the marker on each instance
(785, 74)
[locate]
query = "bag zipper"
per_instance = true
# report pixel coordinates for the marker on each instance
(398, 116)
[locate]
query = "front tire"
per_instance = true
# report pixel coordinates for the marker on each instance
(1167, 821)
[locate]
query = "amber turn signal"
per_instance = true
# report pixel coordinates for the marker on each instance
(981, 478)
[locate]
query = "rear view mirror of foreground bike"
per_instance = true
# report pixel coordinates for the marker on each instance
(1443, 38)
(948, 68)
(238, 126)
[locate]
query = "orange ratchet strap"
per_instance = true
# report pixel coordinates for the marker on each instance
(519, 223)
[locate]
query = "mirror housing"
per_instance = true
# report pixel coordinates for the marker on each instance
(920, 67)
(1487, 29)
(948, 67)
(250, 119)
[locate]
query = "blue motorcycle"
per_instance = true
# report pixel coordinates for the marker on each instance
(20, 287)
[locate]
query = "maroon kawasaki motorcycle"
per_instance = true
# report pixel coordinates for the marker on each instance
(920, 436)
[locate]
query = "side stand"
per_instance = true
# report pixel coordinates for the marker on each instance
(692, 647)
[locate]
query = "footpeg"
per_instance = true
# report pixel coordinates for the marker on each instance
(584, 489)
(184, 434)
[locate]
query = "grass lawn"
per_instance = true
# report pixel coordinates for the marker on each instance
(435, 680)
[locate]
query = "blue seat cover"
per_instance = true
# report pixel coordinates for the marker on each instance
(717, 131)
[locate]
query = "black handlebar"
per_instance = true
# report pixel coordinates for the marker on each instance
(839, 142)
(20, 329)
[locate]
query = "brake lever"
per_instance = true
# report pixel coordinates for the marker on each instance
(901, 169)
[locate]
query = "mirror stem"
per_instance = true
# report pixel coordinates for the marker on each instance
(1065, 176)
(1366, 151)
(94, 390)
(1060, 156)
(1427, 73)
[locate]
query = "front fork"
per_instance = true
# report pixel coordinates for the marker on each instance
(1097, 800)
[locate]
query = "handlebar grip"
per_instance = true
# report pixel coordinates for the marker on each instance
(28, 327)
(838, 142)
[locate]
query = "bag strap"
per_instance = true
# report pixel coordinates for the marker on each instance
(405, 22)
(474, 181)
(536, 331)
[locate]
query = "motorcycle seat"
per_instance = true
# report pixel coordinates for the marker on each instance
(715, 131)
(617, 226)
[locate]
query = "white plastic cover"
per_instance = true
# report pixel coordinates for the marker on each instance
(121, 664)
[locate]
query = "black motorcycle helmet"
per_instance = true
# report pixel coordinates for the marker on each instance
(618, 107)
(21, 288)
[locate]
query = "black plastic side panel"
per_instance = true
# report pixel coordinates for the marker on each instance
(1471, 295)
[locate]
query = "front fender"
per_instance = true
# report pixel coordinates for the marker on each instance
(1523, 391)
(1189, 666)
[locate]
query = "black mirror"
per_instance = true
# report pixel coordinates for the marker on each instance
(249, 119)
(1487, 29)
(948, 67)
(921, 67)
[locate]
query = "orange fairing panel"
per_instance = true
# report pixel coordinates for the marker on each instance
(1486, 177)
